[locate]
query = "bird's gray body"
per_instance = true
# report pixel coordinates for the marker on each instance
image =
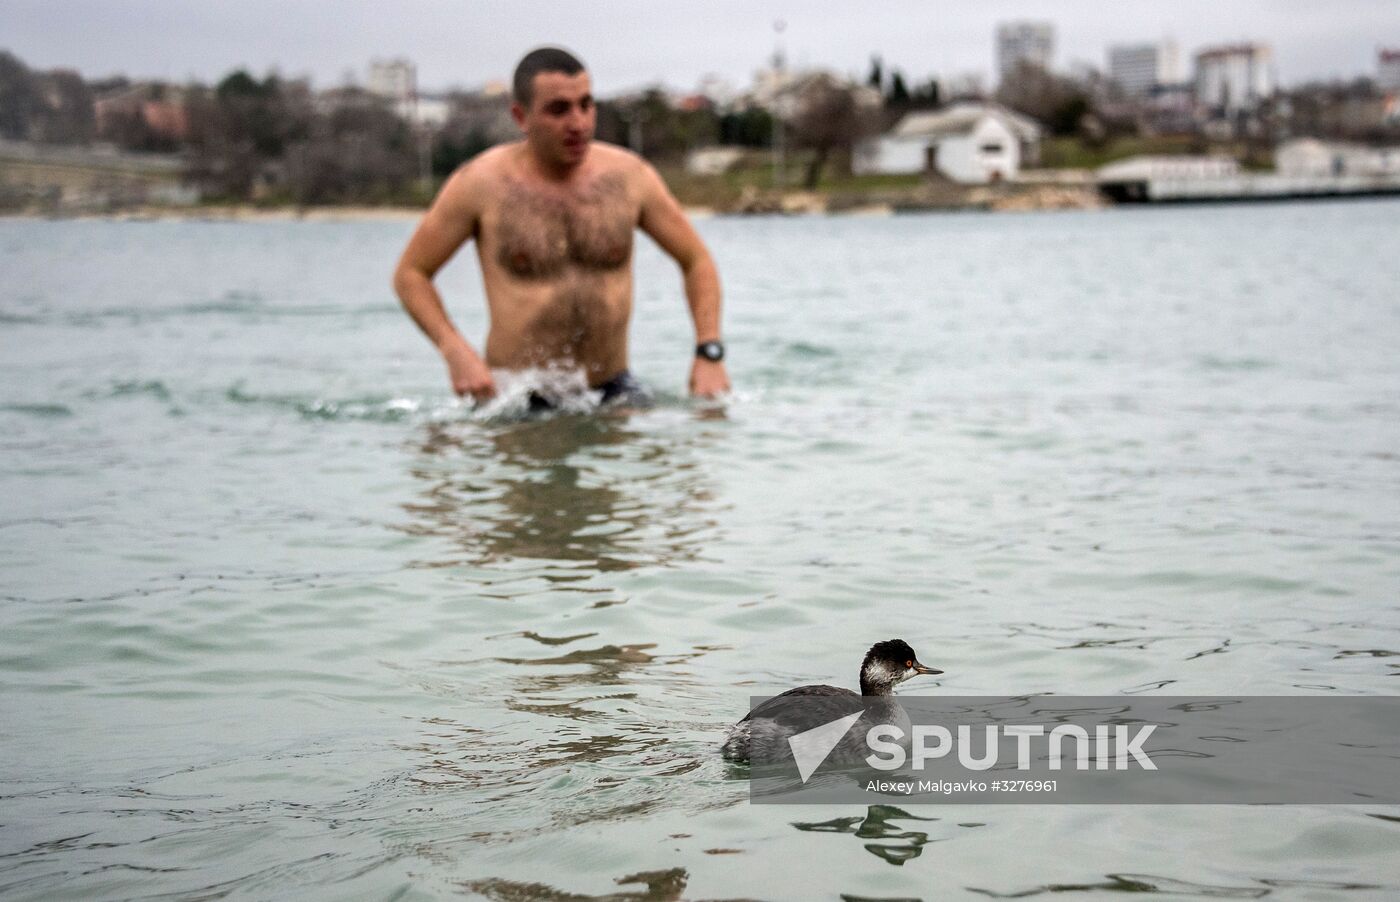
(762, 735)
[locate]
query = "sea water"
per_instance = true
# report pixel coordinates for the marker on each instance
(280, 617)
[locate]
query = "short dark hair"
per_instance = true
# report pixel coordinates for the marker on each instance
(541, 59)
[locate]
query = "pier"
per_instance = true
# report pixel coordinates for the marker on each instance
(1244, 186)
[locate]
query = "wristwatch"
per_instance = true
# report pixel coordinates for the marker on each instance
(710, 350)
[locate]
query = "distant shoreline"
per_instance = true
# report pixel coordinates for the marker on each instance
(233, 213)
(792, 203)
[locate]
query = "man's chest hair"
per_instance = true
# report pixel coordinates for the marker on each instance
(540, 231)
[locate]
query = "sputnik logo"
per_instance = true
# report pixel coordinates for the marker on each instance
(810, 748)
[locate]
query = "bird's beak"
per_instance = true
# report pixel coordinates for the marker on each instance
(919, 668)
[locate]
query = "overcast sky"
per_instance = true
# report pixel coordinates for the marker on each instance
(630, 43)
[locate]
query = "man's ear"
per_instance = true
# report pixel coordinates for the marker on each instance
(517, 112)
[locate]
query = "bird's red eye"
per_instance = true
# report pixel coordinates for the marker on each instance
(908, 663)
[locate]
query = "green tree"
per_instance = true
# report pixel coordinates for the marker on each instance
(927, 94)
(649, 125)
(240, 132)
(899, 92)
(241, 84)
(1064, 119)
(66, 114)
(750, 128)
(876, 79)
(19, 97)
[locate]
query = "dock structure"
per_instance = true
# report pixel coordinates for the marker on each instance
(1247, 187)
(1161, 180)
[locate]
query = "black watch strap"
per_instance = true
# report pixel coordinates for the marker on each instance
(710, 350)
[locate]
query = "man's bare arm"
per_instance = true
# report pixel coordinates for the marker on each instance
(663, 219)
(449, 223)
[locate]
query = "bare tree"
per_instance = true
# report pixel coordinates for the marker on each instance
(1040, 94)
(357, 153)
(830, 120)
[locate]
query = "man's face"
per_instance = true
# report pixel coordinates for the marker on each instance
(559, 122)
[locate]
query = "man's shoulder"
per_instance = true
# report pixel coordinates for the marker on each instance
(489, 163)
(641, 177)
(614, 158)
(477, 181)
(616, 154)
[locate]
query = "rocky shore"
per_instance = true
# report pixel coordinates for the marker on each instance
(929, 197)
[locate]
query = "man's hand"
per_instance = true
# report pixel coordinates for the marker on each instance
(708, 378)
(469, 373)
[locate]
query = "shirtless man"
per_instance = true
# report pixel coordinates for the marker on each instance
(553, 217)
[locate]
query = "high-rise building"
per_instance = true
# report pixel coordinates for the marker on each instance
(1388, 69)
(395, 79)
(1139, 68)
(1024, 42)
(1234, 78)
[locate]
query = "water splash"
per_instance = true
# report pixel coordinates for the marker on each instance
(519, 392)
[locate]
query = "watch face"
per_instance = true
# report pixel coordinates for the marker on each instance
(711, 350)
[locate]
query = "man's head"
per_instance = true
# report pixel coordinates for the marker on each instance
(554, 106)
